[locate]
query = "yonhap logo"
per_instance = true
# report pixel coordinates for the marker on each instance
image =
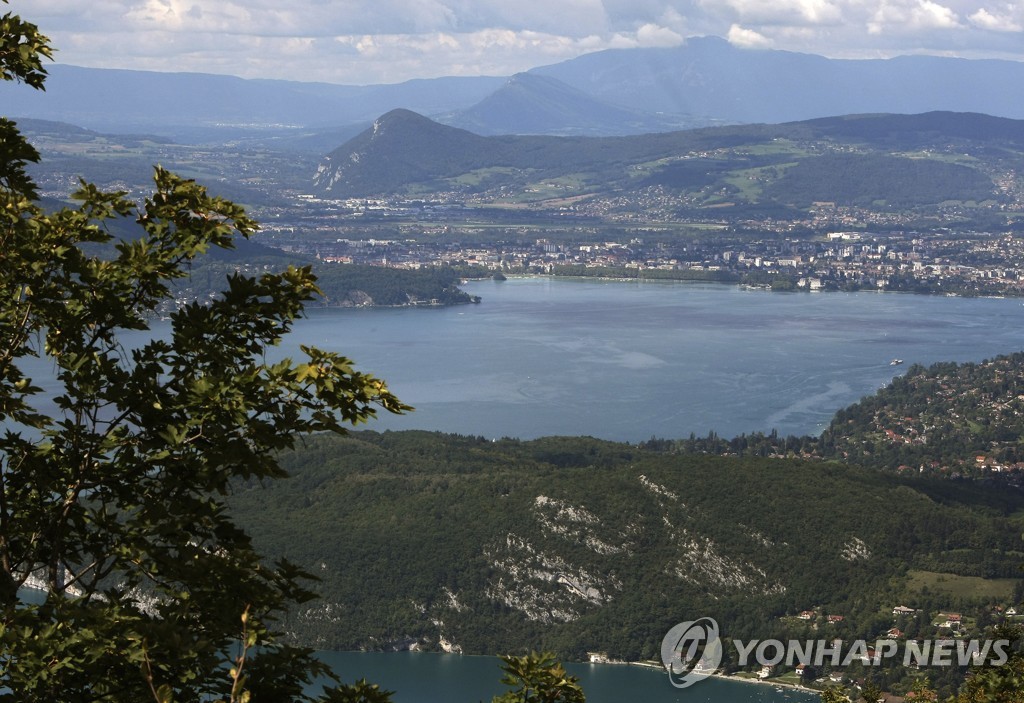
(691, 652)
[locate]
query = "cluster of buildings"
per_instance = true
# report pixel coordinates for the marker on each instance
(952, 263)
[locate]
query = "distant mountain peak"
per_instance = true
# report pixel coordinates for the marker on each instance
(395, 149)
(709, 76)
(400, 114)
(533, 103)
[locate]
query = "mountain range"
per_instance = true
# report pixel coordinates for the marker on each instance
(714, 79)
(706, 81)
(888, 160)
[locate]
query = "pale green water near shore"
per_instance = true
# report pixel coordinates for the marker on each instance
(439, 678)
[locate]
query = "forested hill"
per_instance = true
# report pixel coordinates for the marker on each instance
(353, 285)
(951, 418)
(342, 285)
(579, 545)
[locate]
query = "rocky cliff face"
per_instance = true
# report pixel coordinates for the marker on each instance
(551, 584)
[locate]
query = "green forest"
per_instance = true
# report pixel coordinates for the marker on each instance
(352, 284)
(868, 179)
(578, 545)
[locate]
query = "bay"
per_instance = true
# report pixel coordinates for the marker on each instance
(419, 677)
(627, 360)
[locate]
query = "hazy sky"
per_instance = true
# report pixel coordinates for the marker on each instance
(388, 41)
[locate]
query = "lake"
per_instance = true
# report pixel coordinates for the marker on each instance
(625, 360)
(418, 677)
(628, 360)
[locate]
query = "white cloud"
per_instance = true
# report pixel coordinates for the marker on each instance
(367, 41)
(652, 35)
(574, 18)
(783, 12)
(747, 38)
(910, 17)
(390, 58)
(995, 22)
(931, 15)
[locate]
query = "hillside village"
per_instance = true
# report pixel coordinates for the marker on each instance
(948, 419)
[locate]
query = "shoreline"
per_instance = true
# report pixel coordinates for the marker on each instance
(656, 666)
(650, 665)
(762, 287)
(767, 682)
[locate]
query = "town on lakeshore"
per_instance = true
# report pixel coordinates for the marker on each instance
(961, 263)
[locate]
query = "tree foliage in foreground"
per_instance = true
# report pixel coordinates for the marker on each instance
(997, 684)
(834, 695)
(538, 678)
(112, 483)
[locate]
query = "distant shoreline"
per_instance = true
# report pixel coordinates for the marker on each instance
(722, 677)
(763, 287)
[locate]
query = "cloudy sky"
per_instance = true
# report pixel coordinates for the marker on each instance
(388, 41)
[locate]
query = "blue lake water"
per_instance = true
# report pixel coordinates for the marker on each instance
(438, 678)
(624, 360)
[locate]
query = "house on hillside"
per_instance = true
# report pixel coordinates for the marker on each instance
(953, 621)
